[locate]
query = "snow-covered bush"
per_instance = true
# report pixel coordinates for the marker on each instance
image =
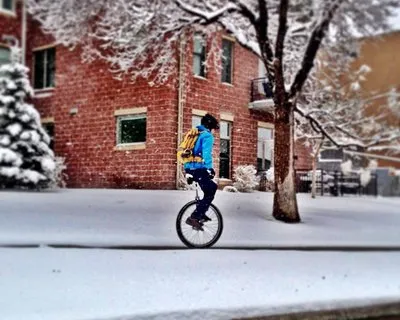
(346, 167)
(59, 174)
(245, 178)
(230, 189)
(365, 176)
(26, 159)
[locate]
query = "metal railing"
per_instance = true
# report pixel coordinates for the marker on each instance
(260, 89)
(335, 183)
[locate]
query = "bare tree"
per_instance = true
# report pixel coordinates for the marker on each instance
(139, 37)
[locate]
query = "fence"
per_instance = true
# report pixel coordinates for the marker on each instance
(335, 183)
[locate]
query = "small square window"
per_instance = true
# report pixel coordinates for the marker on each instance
(7, 5)
(5, 55)
(131, 129)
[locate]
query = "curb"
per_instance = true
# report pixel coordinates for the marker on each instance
(181, 247)
(382, 311)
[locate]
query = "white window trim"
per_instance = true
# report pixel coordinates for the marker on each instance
(134, 113)
(329, 160)
(48, 120)
(265, 125)
(198, 112)
(227, 116)
(7, 12)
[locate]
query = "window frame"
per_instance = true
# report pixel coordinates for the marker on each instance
(133, 116)
(232, 43)
(45, 67)
(201, 55)
(11, 12)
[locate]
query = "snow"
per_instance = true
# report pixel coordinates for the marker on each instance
(9, 156)
(47, 283)
(48, 164)
(14, 129)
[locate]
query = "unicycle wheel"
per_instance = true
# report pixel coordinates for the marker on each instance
(196, 238)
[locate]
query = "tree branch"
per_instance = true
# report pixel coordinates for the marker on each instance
(312, 48)
(210, 17)
(280, 37)
(261, 26)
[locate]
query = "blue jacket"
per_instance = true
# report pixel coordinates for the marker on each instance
(202, 148)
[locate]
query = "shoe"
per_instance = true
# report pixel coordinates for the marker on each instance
(196, 224)
(204, 219)
(201, 219)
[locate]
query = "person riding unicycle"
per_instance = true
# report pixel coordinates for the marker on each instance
(203, 171)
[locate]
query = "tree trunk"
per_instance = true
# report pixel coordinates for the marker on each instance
(285, 201)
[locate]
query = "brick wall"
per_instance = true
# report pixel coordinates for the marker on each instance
(10, 24)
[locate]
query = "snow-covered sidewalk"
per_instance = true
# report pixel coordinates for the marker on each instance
(96, 284)
(147, 218)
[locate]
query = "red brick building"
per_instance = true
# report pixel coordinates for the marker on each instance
(116, 134)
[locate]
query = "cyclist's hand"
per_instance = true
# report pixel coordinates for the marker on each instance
(211, 173)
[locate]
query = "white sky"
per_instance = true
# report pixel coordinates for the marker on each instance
(47, 284)
(396, 21)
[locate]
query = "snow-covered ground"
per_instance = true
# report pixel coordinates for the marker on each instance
(87, 284)
(137, 217)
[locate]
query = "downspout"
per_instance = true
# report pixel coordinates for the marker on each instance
(23, 33)
(181, 84)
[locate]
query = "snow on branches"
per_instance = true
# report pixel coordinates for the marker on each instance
(129, 34)
(25, 157)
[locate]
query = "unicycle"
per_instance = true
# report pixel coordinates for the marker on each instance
(192, 237)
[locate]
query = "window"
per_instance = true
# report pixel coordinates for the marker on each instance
(265, 148)
(131, 129)
(331, 155)
(225, 149)
(5, 55)
(7, 5)
(199, 56)
(196, 121)
(44, 68)
(49, 128)
(227, 59)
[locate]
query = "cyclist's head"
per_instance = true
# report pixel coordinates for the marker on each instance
(210, 122)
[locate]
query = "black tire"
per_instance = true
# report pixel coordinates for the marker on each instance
(216, 219)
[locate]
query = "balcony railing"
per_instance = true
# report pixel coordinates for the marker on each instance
(260, 89)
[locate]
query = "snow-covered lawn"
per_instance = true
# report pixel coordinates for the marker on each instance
(44, 283)
(139, 217)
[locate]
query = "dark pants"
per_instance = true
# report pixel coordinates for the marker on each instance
(209, 188)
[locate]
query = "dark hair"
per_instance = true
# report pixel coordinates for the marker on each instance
(209, 122)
